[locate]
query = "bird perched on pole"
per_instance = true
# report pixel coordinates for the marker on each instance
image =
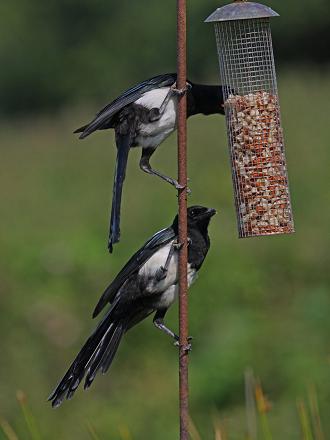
(144, 116)
(148, 283)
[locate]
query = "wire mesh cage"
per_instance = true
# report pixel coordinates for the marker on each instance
(247, 72)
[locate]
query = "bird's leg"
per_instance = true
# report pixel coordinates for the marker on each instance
(162, 271)
(156, 113)
(159, 323)
(146, 167)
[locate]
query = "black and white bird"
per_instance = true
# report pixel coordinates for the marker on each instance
(148, 283)
(145, 116)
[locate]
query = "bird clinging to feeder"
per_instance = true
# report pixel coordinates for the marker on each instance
(145, 115)
(252, 110)
(148, 283)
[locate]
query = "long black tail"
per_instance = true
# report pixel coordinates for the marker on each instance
(97, 354)
(123, 147)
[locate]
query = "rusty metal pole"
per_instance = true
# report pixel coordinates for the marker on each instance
(182, 195)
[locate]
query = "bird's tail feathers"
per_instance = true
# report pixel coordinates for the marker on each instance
(123, 147)
(82, 131)
(97, 354)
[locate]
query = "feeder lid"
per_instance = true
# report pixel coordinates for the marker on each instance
(241, 10)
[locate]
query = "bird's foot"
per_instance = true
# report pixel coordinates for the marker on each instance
(187, 348)
(178, 186)
(173, 182)
(180, 92)
(177, 246)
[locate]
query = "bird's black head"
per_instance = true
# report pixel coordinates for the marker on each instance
(205, 99)
(197, 217)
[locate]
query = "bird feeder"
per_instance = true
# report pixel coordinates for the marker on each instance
(253, 120)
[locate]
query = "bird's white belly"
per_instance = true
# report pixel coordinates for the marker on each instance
(154, 133)
(170, 295)
(167, 287)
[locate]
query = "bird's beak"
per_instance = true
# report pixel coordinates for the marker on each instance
(210, 212)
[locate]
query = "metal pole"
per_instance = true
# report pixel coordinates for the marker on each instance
(182, 195)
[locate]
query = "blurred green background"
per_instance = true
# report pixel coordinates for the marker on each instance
(260, 303)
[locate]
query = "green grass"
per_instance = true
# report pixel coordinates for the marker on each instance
(262, 303)
(257, 419)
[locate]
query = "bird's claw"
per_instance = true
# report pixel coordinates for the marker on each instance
(178, 186)
(187, 348)
(180, 92)
(177, 246)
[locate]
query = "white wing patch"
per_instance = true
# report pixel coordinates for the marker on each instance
(149, 270)
(154, 98)
(154, 133)
(169, 285)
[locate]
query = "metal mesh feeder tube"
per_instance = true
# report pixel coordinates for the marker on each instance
(255, 135)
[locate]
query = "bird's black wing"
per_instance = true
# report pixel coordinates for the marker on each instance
(161, 238)
(104, 116)
(100, 348)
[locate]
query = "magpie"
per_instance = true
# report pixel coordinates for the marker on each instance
(145, 115)
(148, 283)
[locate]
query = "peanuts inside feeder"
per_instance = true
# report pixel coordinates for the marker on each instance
(253, 119)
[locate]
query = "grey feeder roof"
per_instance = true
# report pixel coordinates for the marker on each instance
(241, 10)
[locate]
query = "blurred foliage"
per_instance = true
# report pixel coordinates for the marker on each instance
(65, 52)
(262, 303)
(257, 408)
